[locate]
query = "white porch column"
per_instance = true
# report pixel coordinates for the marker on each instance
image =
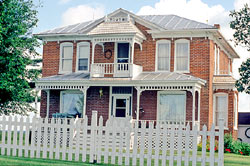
(193, 110)
(93, 52)
(139, 91)
(48, 96)
(36, 93)
(132, 52)
(199, 107)
(84, 91)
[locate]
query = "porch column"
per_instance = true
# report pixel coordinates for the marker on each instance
(139, 91)
(193, 110)
(36, 93)
(84, 91)
(132, 51)
(199, 109)
(48, 96)
(93, 52)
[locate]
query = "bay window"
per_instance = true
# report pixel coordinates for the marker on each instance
(221, 108)
(66, 56)
(171, 106)
(71, 102)
(83, 52)
(182, 55)
(163, 55)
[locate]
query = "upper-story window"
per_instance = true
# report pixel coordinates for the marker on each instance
(182, 55)
(216, 60)
(66, 57)
(163, 55)
(83, 52)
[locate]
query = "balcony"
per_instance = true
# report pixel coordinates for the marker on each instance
(126, 70)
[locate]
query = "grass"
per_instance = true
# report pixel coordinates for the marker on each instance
(230, 160)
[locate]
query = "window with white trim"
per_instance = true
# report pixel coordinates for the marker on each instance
(163, 55)
(66, 57)
(235, 111)
(221, 108)
(182, 55)
(83, 53)
(71, 102)
(171, 106)
(215, 60)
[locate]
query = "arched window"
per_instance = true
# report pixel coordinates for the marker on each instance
(163, 48)
(182, 54)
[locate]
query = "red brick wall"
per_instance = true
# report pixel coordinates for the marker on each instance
(54, 103)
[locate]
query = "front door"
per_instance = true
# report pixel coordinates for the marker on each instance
(121, 106)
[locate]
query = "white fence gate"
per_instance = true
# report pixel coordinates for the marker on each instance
(117, 142)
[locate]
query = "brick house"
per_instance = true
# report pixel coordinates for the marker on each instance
(151, 67)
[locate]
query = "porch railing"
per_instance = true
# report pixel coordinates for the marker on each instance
(115, 70)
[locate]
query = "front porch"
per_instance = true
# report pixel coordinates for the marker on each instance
(166, 103)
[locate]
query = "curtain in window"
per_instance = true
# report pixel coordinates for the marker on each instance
(67, 58)
(181, 56)
(163, 56)
(221, 110)
(172, 107)
(83, 57)
(72, 103)
(123, 52)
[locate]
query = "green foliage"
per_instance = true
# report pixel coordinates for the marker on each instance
(241, 25)
(17, 19)
(243, 84)
(216, 145)
(228, 141)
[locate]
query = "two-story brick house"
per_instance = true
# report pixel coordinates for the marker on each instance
(165, 67)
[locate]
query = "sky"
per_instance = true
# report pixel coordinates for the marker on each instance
(57, 13)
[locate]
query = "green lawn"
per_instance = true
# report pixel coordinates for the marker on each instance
(230, 160)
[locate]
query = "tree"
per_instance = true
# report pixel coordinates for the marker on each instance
(17, 19)
(241, 25)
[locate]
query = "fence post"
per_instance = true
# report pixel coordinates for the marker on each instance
(92, 157)
(221, 142)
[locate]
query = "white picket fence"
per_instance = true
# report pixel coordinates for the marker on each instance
(117, 142)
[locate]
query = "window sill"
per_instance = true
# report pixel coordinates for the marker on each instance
(182, 71)
(235, 128)
(217, 128)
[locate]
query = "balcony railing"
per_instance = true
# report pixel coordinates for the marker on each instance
(115, 70)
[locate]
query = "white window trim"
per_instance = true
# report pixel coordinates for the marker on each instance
(60, 62)
(214, 107)
(70, 91)
(235, 112)
(116, 52)
(215, 60)
(218, 61)
(182, 41)
(156, 55)
(171, 93)
(77, 56)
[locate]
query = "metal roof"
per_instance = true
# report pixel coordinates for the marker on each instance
(67, 77)
(167, 22)
(166, 76)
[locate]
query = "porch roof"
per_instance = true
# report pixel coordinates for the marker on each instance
(79, 80)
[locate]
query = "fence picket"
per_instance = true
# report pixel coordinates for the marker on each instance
(84, 134)
(15, 124)
(27, 136)
(3, 144)
(127, 140)
(179, 145)
(142, 145)
(58, 136)
(194, 147)
(9, 131)
(164, 146)
(120, 153)
(204, 143)
(221, 143)
(38, 143)
(114, 128)
(172, 133)
(212, 138)
(187, 135)
(92, 138)
(150, 133)
(99, 138)
(157, 143)
(64, 138)
(135, 143)
(52, 138)
(107, 132)
(33, 131)
(45, 138)
(77, 140)
(71, 130)
(20, 143)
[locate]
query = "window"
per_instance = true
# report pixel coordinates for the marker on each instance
(182, 55)
(235, 112)
(83, 52)
(221, 108)
(163, 55)
(171, 106)
(66, 55)
(122, 52)
(71, 102)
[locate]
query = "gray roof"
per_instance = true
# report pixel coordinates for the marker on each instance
(166, 76)
(166, 22)
(144, 76)
(67, 77)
